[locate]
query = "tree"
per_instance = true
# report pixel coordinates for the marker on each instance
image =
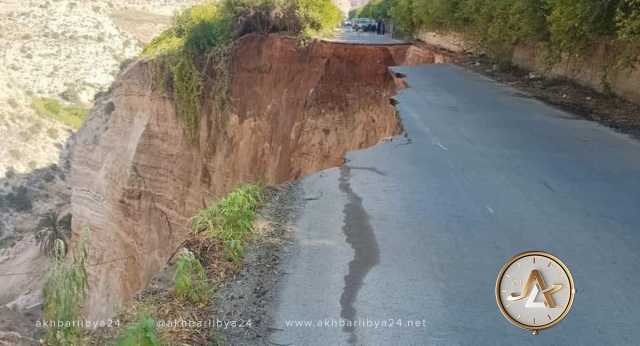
(53, 229)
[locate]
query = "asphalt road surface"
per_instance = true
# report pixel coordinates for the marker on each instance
(416, 229)
(348, 35)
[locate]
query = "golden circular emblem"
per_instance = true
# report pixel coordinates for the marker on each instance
(535, 290)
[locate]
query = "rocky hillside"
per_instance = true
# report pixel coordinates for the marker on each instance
(55, 55)
(67, 51)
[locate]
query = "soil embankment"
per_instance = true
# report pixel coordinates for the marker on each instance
(137, 179)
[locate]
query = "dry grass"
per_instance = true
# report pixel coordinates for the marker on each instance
(160, 302)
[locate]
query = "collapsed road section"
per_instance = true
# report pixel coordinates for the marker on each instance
(138, 177)
(483, 173)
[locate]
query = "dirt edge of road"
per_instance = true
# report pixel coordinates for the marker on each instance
(587, 103)
(238, 312)
(251, 295)
(609, 110)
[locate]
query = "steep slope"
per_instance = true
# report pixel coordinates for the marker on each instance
(137, 179)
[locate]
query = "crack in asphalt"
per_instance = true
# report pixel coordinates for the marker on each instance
(361, 237)
(369, 169)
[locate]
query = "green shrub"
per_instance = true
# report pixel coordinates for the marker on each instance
(628, 27)
(575, 24)
(628, 20)
(195, 33)
(564, 26)
(438, 14)
(499, 25)
(141, 333)
(201, 36)
(374, 9)
(317, 17)
(64, 293)
(191, 279)
(231, 219)
(70, 115)
(402, 13)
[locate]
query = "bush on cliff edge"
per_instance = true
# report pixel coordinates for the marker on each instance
(201, 37)
(230, 220)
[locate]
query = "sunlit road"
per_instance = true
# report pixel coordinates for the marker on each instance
(348, 35)
(416, 229)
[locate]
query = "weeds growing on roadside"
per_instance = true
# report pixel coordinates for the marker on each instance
(191, 279)
(231, 219)
(141, 333)
(64, 293)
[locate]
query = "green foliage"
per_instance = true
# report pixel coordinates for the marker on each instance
(628, 20)
(201, 36)
(628, 26)
(499, 25)
(187, 83)
(402, 14)
(64, 293)
(231, 219)
(53, 229)
(575, 24)
(564, 26)
(317, 17)
(191, 279)
(441, 14)
(374, 9)
(196, 32)
(70, 115)
(142, 333)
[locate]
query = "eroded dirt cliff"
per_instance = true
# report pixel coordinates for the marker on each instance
(137, 179)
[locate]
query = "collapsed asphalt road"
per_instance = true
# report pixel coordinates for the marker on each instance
(416, 229)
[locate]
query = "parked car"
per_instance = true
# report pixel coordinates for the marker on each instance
(347, 23)
(364, 24)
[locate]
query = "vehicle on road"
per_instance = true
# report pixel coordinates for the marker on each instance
(364, 24)
(347, 23)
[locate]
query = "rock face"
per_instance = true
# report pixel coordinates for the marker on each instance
(67, 50)
(74, 47)
(137, 179)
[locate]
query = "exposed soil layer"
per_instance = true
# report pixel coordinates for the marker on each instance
(137, 179)
(243, 296)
